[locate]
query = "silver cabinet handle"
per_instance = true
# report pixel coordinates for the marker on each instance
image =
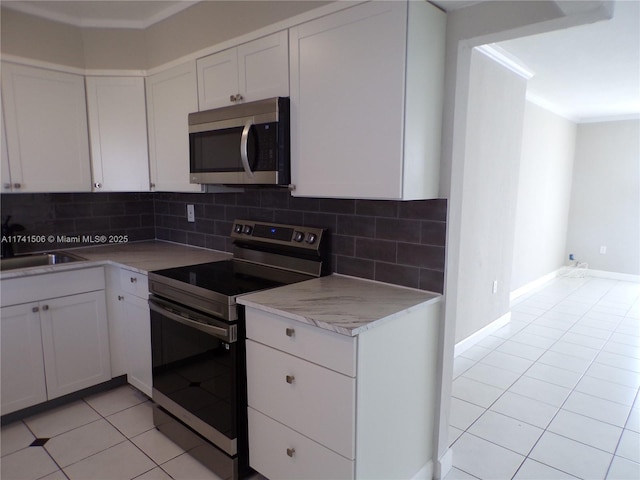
(133, 279)
(17, 185)
(152, 185)
(232, 98)
(35, 309)
(244, 141)
(239, 97)
(290, 332)
(290, 379)
(45, 307)
(6, 185)
(291, 451)
(97, 185)
(120, 298)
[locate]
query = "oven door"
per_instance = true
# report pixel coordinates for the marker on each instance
(195, 362)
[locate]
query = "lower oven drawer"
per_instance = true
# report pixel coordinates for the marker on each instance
(279, 452)
(310, 399)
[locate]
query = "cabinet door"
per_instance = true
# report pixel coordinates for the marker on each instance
(171, 96)
(138, 341)
(46, 127)
(5, 179)
(23, 380)
(118, 132)
(347, 102)
(217, 79)
(263, 67)
(75, 340)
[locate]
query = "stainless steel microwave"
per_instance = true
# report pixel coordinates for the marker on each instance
(245, 144)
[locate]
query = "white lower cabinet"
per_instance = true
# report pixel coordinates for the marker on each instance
(53, 346)
(129, 326)
(75, 340)
(280, 452)
(323, 405)
(23, 380)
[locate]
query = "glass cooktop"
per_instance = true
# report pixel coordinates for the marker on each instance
(230, 277)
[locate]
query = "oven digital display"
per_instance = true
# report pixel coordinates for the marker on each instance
(271, 231)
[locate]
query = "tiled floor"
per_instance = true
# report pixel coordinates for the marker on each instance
(554, 394)
(109, 436)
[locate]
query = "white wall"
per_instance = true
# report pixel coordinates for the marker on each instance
(605, 199)
(203, 25)
(494, 130)
(544, 193)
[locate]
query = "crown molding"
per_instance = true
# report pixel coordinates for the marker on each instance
(34, 10)
(506, 59)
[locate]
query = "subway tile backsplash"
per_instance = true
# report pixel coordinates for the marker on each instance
(397, 242)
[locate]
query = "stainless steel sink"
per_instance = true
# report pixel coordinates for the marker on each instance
(38, 260)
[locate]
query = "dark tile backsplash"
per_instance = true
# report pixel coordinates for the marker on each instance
(390, 241)
(76, 215)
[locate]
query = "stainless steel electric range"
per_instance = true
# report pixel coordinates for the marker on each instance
(198, 338)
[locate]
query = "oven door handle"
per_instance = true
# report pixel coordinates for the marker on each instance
(221, 333)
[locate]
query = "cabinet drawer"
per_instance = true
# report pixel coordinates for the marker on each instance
(279, 452)
(329, 349)
(134, 283)
(317, 402)
(33, 288)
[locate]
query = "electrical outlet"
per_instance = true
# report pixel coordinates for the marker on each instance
(603, 249)
(191, 214)
(495, 286)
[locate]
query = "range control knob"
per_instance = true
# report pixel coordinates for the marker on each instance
(298, 236)
(248, 229)
(311, 238)
(238, 228)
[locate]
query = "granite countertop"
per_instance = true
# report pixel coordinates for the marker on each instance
(152, 255)
(142, 257)
(341, 304)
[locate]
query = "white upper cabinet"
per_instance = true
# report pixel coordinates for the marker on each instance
(46, 128)
(118, 134)
(171, 96)
(251, 71)
(366, 102)
(5, 180)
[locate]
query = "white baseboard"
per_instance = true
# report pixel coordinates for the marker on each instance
(443, 465)
(471, 340)
(627, 277)
(425, 473)
(537, 283)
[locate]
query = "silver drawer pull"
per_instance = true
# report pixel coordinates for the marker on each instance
(291, 451)
(45, 307)
(290, 379)
(120, 298)
(133, 279)
(290, 332)
(35, 309)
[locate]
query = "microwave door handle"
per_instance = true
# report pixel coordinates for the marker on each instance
(244, 141)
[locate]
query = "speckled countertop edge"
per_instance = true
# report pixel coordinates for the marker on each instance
(342, 304)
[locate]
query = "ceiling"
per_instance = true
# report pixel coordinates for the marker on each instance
(590, 72)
